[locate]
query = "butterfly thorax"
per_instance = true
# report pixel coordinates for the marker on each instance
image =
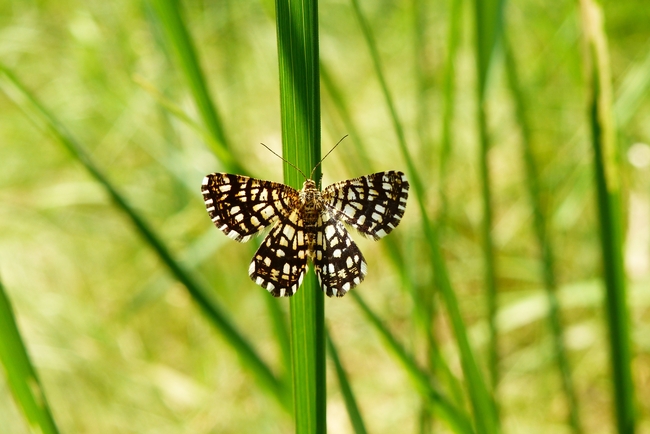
(311, 204)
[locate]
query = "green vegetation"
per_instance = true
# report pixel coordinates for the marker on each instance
(512, 298)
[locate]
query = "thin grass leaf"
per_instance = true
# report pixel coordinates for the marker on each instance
(488, 29)
(297, 28)
(171, 22)
(449, 89)
(204, 297)
(608, 189)
(21, 374)
(482, 402)
(346, 390)
(545, 246)
(455, 417)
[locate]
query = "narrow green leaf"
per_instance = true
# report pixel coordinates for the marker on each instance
(20, 373)
(449, 89)
(608, 189)
(441, 405)
(297, 27)
(171, 22)
(348, 396)
(488, 30)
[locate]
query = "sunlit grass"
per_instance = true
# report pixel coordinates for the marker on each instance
(99, 247)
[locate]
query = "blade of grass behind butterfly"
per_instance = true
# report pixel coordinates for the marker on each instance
(488, 28)
(346, 390)
(204, 297)
(297, 31)
(20, 372)
(390, 243)
(170, 20)
(449, 106)
(169, 17)
(484, 407)
(456, 417)
(546, 248)
(607, 170)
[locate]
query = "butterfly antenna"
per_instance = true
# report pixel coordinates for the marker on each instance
(321, 160)
(285, 160)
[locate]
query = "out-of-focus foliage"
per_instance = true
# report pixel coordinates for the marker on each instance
(118, 344)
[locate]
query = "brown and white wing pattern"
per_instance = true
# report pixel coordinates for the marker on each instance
(306, 224)
(372, 204)
(338, 262)
(241, 206)
(280, 263)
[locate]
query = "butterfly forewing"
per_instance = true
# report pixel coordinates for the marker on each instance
(241, 206)
(372, 204)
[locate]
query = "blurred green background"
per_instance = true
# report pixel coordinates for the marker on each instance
(119, 344)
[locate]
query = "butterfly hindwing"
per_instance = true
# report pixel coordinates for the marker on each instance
(280, 263)
(338, 262)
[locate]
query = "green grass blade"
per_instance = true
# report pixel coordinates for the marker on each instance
(448, 87)
(488, 29)
(608, 189)
(297, 29)
(169, 15)
(346, 390)
(545, 246)
(482, 402)
(20, 373)
(452, 415)
(202, 295)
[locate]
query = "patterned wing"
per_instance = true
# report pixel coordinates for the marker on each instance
(280, 263)
(373, 204)
(338, 262)
(241, 206)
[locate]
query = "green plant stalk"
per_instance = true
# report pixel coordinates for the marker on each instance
(346, 390)
(488, 29)
(544, 241)
(484, 407)
(297, 31)
(608, 189)
(20, 373)
(42, 118)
